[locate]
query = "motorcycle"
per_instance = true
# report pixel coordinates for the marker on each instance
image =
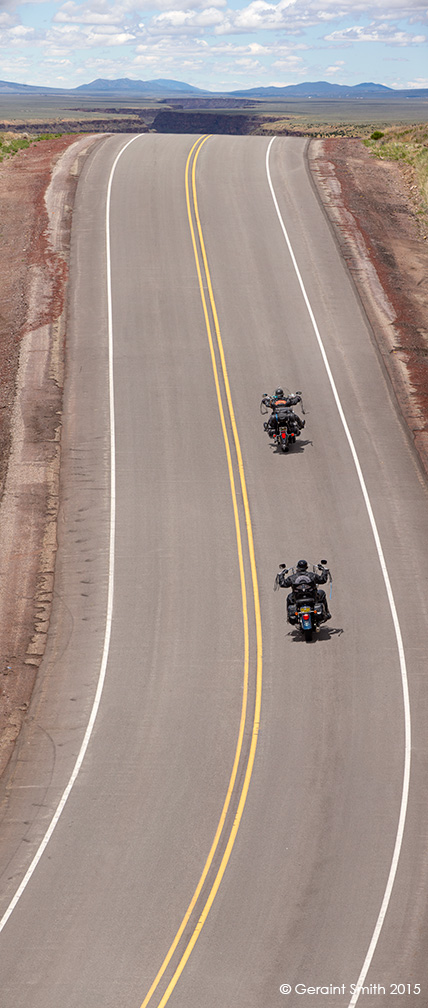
(306, 611)
(287, 429)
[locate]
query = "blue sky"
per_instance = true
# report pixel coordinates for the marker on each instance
(215, 44)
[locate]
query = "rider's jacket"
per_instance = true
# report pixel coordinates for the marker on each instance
(282, 401)
(302, 579)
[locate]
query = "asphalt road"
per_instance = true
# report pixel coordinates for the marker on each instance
(246, 814)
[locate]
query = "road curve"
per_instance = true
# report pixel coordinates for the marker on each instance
(212, 850)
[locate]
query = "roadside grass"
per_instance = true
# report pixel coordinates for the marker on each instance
(409, 146)
(10, 144)
(299, 125)
(323, 128)
(406, 143)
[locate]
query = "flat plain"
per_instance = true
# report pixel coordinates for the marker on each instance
(64, 112)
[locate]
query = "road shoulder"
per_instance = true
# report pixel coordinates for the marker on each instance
(36, 199)
(383, 237)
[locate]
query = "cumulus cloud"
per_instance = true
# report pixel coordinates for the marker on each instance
(335, 68)
(6, 20)
(403, 9)
(295, 15)
(212, 40)
(101, 11)
(257, 16)
(274, 48)
(20, 33)
(63, 39)
(292, 16)
(184, 21)
(385, 33)
(290, 69)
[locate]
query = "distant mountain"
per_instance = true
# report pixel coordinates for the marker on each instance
(318, 89)
(9, 87)
(125, 86)
(372, 87)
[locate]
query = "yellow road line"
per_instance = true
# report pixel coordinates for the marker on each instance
(256, 719)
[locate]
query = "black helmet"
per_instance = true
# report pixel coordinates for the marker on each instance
(302, 564)
(279, 391)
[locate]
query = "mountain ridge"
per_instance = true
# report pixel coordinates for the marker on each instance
(125, 86)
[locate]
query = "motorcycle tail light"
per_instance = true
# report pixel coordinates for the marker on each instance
(283, 435)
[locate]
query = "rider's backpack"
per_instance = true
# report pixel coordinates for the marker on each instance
(303, 586)
(283, 414)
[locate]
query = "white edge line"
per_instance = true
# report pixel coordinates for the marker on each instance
(109, 611)
(399, 640)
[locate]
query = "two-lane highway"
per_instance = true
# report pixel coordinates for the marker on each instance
(245, 812)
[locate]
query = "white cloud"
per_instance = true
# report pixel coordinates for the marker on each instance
(175, 52)
(268, 49)
(117, 39)
(259, 15)
(98, 13)
(198, 37)
(103, 12)
(21, 31)
(420, 82)
(402, 9)
(6, 20)
(289, 68)
(295, 15)
(335, 67)
(184, 21)
(248, 65)
(385, 33)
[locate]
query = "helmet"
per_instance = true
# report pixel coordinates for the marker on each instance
(279, 391)
(302, 565)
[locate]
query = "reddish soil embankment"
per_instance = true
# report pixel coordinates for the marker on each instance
(383, 234)
(33, 264)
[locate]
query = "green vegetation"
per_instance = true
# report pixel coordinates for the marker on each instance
(351, 128)
(45, 136)
(10, 144)
(404, 142)
(409, 146)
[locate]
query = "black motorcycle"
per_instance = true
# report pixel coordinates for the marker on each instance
(305, 610)
(283, 427)
(286, 429)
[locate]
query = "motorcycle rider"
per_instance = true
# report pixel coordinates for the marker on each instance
(280, 403)
(307, 579)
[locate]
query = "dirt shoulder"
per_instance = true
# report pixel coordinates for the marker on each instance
(36, 195)
(372, 210)
(382, 231)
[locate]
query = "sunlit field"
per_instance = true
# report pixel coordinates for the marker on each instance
(358, 116)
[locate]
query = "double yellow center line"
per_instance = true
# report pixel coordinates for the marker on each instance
(225, 410)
